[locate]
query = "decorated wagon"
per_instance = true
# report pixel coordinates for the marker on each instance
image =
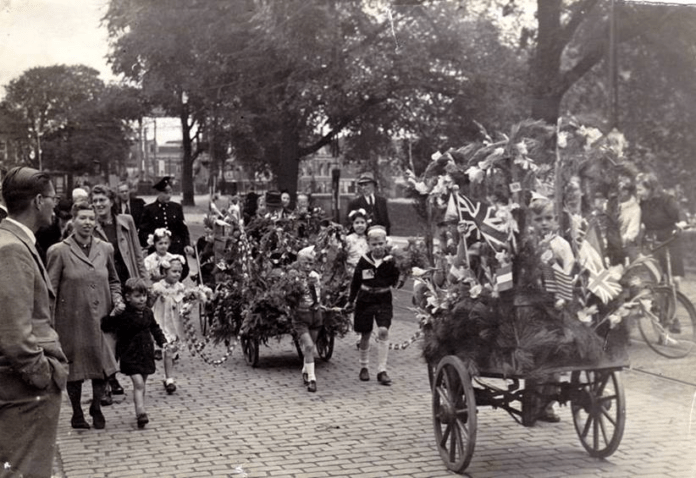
(257, 282)
(517, 315)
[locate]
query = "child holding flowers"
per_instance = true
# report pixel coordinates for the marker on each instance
(161, 239)
(135, 329)
(168, 295)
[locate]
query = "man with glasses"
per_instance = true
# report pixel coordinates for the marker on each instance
(33, 367)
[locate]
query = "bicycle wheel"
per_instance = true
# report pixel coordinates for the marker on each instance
(669, 328)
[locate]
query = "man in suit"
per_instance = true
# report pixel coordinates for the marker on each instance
(374, 205)
(33, 367)
(165, 213)
(129, 203)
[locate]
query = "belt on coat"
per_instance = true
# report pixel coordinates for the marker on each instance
(374, 290)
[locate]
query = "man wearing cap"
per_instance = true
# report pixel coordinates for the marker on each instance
(376, 206)
(163, 213)
(33, 367)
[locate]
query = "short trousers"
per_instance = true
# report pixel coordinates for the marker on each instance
(368, 313)
(305, 320)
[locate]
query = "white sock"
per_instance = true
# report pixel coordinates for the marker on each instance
(309, 369)
(365, 357)
(304, 367)
(382, 351)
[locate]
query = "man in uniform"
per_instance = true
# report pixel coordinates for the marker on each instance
(170, 215)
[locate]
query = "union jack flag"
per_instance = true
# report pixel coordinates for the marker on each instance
(481, 217)
(603, 285)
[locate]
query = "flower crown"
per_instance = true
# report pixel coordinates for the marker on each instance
(167, 263)
(159, 233)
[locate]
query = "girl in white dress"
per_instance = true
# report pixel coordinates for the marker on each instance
(356, 241)
(161, 239)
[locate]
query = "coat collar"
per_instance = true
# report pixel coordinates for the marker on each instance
(120, 223)
(22, 236)
(77, 250)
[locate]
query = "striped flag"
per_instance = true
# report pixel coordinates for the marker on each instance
(503, 278)
(558, 282)
(480, 216)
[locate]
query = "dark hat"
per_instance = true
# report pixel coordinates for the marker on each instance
(162, 184)
(366, 177)
(63, 209)
(273, 199)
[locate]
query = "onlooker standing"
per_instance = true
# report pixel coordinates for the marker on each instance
(46, 236)
(375, 205)
(163, 213)
(129, 203)
(84, 277)
(33, 367)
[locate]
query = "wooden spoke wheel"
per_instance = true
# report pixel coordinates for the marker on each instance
(454, 413)
(250, 349)
(598, 404)
(325, 345)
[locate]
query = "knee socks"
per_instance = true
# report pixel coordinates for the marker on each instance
(309, 370)
(365, 357)
(382, 351)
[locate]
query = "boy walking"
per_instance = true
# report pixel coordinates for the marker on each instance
(370, 292)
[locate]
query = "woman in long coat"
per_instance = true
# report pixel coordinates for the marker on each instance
(84, 278)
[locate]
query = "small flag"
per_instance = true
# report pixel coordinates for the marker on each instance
(603, 285)
(481, 216)
(591, 253)
(503, 278)
(558, 282)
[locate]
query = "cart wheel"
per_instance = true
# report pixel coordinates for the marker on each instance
(250, 349)
(431, 374)
(598, 404)
(454, 413)
(325, 345)
(298, 346)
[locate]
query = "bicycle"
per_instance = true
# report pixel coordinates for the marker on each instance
(667, 321)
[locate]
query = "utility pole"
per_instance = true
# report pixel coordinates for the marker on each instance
(613, 70)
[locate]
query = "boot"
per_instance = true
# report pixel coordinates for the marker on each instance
(74, 394)
(98, 391)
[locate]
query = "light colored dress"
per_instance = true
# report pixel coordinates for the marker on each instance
(169, 299)
(356, 247)
(153, 263)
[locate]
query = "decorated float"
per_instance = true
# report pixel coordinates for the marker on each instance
(506, 324)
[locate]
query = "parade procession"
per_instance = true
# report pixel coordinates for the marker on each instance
(347, 239)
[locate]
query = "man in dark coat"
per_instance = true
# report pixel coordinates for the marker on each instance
(129, 203)
(375, 206)
(165, 213)
(33, 367)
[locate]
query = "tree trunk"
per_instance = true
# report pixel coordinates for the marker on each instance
(286, 164)
(187, 160)
(546, 65)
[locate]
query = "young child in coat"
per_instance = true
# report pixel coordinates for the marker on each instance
(371, 297)
(307, 316)
(135, 329)
(168, 296)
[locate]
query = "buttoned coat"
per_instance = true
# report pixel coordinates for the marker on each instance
(86, 288)
(378, 214)
(33, 367)
(128, 245)
(169, 215)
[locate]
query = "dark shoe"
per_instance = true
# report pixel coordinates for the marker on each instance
(158, 354)
(79, 422)
(116, 388)
(675, 328)
(383, 378)
(143, 420)
(312, 387)
(107, 399)
(549, 416)
(305, 378)
(364, 375)
(170, 388)
(98, 420)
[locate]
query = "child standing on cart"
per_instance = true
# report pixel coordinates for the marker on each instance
(371, 297)
(307, 318)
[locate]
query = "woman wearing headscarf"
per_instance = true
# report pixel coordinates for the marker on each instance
(84, 278)
(120, 231)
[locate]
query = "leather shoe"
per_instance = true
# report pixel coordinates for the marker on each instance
(116, 388)
(79, 422)
(107, 399)
(170, 388)
(383, 378)
(312, 387)
(305, 378)
(142, 420)
(364, 375)
(98, 420)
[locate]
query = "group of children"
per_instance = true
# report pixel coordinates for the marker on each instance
(152, 315)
